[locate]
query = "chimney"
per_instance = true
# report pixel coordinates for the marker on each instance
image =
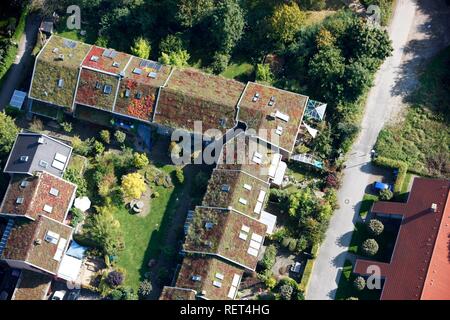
(433, 207)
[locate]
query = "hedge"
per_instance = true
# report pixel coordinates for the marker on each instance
(394, 164)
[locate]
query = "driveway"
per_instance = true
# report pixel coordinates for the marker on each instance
(419, 30)
(18, 70)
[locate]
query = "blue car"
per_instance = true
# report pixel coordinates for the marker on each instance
(379, 186)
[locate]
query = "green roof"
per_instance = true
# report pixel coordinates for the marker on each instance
(56, 71)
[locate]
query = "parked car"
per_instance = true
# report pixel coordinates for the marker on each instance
(74, 294)
(379, 186)
(59, 295)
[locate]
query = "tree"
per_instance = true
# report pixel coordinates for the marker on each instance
(375, 227)
(370, 247)
(359, 283)
(8, 133)
(316, 5)
(270, 282)
(145, 288)
(269, 257)
(263, 73)
(386, 194)
(227, 25)
(115, 278)
(141, 48)
(140, 160)
(133, 186)
(286, 291)
(192, 12)
(286, 21)
(105, 136)
(120, 136)
(358, 80)
(220, 62)
(104, 231)
(177, 58)
(171, 43)
(323, 143)
(98, 147)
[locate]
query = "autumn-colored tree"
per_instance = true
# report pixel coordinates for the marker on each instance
(286, 21)
(141, 48)
(133, 186)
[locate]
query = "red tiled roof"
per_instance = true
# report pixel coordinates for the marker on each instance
(36, 194)
(421, 252)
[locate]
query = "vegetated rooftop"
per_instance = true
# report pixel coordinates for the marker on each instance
(225, 233)
(236, 189)
(27, 242)
(210, 277)
(108, 60)
(275, 114)
(97, 89)
(147, 72)
(239, 154)
(191, 95)
(32, 286)
(56, 71)
(28, 196)
(174, 293)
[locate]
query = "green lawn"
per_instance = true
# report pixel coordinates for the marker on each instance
(346, 289)
(143, 235)
(240, 71)
(366, 204)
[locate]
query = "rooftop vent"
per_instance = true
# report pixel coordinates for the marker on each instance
(55, 50)
(60, 83)
(41, 140)
(94, 58)
(43, 164)
(433, 207)
(61, 57)
(271, 101)
(115, 64)
(24, 184)
(24, 158)
(98, 85)
(139, 95)
(20, 200)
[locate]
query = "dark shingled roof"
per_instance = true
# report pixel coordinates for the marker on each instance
(28, 145)
(422, 243)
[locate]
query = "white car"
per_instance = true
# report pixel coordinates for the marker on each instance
(59, 295)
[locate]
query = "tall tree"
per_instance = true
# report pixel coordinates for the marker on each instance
(141, 48)
(286, 21)
(8, 133)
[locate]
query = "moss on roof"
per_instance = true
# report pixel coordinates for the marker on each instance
(60, 59)
(216, 231)
(32, 286)
(91, 89)
(258, 115)
(238, 183)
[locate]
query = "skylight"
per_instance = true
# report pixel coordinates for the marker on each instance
(137, 71)
(51, 237)
(107, 89)
(48, 208)
(54, 192)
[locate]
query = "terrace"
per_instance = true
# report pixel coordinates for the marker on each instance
(210, 277)
(56, 71)
(97, 89)
(106, 60)
(238, 190)
(257, 159)
(275, 114)
(191, 95)
(32, 196)
(226, 233)
(40, 243)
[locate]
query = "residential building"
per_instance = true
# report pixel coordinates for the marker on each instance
(419, 268)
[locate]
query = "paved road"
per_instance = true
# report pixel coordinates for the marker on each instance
(23, 58)
(411, 31)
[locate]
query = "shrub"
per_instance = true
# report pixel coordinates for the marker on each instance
(116, 294)
(81, 147)
(36, 125)
(263, 73)
(286, 291)
(140, 160)
(66, 126)
(105, 136)
(115, 278)
(370, 247)
(77, 216)
(120, 136)
(386, 194)
(179, 174)
(145, 287)
(8, 133)
(133, 186)
(270, 283)
(359, 283)
(98, 147)
(292, 245)
(375, 227)
(220, 62)
(75, 177)
(269, 257)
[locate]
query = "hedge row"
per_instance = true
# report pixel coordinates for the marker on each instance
(394, 164)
